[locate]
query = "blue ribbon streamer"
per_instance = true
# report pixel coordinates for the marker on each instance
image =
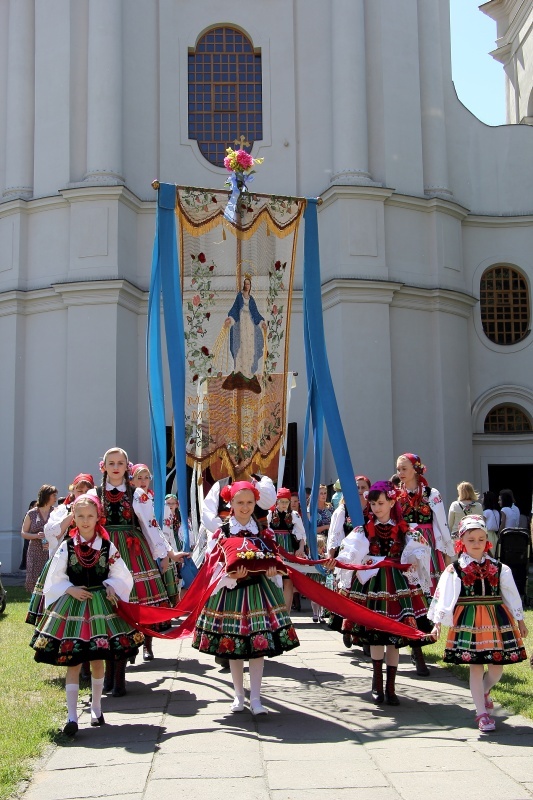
(165, 278)
(321, 400)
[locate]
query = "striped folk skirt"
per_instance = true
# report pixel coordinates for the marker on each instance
(247, 622)
(483, 632)
(73, 631)
(390, 594)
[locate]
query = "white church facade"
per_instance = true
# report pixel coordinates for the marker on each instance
(426, 212)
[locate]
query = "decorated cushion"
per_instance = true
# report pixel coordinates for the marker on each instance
(253, 552)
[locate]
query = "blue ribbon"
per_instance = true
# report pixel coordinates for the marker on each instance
(238, 187)
(321, 401)
(166, 279)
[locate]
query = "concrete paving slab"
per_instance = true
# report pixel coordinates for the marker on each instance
(322, 775)
(442, 758)
(244, 788)
(77, 784)
(365, 793)
(231, 765)
(421, 785)
(518, 767)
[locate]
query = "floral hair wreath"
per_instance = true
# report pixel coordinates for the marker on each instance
(384, 487)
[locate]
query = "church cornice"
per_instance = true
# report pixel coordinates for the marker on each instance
(397, 295)
(428, 205)
(488, 221)
(354, 192)
(60, 296)
(79, 194)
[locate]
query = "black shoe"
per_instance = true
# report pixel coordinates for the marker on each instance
(222, 662)
(96, 722)
(347, 640)
(417, 658)
(71, 728)
(147, 654)
(118, 691)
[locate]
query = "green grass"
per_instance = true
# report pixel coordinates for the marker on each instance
(32, 697)
(515, 690)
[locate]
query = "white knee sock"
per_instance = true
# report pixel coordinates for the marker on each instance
(97, 684)
(255, 668)
(492, 676)
(72, 690)
(476, 688)
(236, 666)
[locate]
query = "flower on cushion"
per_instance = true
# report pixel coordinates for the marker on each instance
(124, 641)
(138, 637)
(204, 642)
(466, 657)
(497, 656)
(102, 643)
(67, 647)
(514, 656)
(260, 642)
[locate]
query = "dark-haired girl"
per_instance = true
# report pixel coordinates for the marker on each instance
(390, 591)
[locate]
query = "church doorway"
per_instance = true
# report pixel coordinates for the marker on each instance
(518, 478)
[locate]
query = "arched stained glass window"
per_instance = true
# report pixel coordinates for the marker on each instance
(504, 301)
(225, 92)
(507, 419)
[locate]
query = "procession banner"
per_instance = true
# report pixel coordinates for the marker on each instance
(236, 286)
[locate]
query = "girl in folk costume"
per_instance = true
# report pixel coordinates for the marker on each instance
(289, 532)
(172, 522)
(162, 552)
(388, 590)
(33, 531)
(245, 618)
(324, 512)
(478, 599)
(85, 578)
(116, 495)
(423, 506)
(59, 521)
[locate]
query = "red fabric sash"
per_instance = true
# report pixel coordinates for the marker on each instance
(387, 562)
(142, 616)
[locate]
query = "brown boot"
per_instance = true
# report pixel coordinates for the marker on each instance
(148, 653)
(119, 685)
(390, 689)
(109, 677)
(377, 681)
(417, 657)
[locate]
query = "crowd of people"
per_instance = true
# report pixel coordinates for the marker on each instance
(99, 553)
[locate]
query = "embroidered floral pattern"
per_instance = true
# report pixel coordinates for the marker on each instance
(199, 358)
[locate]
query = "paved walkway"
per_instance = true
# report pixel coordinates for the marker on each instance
(172, 735)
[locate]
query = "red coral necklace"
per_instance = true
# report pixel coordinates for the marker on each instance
(85, 554)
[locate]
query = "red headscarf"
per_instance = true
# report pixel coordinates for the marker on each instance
(284, 494)
(227, 493)
(99, 527)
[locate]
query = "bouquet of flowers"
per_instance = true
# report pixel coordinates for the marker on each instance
(239, 161)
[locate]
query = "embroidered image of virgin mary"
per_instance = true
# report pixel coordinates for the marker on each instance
(246, 343)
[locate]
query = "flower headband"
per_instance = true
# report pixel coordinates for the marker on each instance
(283, 494)
(384, 487)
